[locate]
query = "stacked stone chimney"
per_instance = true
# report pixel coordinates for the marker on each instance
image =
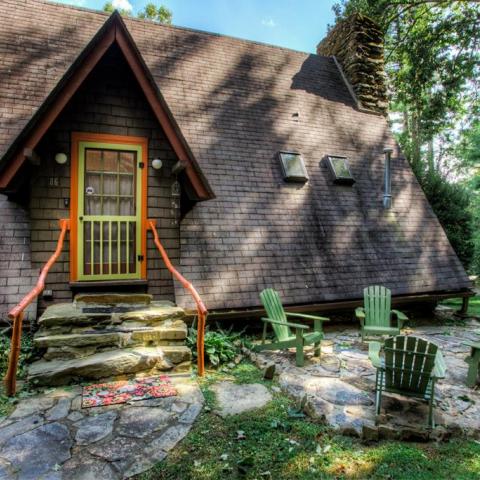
(357, 45)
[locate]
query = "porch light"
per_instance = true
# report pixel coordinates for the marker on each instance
(61, 158)
(157, 164)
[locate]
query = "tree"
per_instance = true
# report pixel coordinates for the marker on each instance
(432, 62)
(110, 8)
(160, 14)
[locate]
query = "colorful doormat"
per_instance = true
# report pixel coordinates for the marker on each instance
(124, 391)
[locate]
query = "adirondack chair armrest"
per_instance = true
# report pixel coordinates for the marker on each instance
(288, 324)
(401, 317)
(440, 367)
(307, 317)
(374, 354)
(360, 314)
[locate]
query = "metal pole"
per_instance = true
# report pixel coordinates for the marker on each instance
(387, 194)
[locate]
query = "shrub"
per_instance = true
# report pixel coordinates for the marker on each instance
(221, 346)
(25, 352)
(451, 204)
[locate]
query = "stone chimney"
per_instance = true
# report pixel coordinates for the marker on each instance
(357, 45)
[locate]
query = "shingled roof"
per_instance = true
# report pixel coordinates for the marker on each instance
(237, 103)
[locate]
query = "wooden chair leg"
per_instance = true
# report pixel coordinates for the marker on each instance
(378, 392)
(299, 348)
(472, 373)
(264, 334)
(317, 350)
(431, 422)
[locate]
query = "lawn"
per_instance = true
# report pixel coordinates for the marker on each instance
(473, 306)
(279, 445)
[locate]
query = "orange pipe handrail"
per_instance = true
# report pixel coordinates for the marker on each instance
(201, 309)
(16, 313)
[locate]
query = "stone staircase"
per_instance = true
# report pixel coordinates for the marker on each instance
(101, 336)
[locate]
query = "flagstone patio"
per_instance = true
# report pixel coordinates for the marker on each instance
(340, 387)
(50, 436)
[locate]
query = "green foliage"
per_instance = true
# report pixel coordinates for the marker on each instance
(433, 68)
(109, 8)
(276, 445)
(26, 348)
(221, 346)
(160, 14)
(451, 204)
(473, 305)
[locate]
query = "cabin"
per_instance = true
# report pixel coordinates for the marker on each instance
(257, 166)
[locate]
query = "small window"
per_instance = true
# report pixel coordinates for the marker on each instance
(293, 167)
(340, 170)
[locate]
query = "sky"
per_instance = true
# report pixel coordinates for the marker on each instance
(299, 25)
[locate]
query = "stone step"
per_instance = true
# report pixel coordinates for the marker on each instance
(89, 342)
(111, 364)
(119, 337)
(66, 318)
(113, 299)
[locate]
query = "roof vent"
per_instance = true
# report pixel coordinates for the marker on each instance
(387, 191)
(293, 167)
(340, 170)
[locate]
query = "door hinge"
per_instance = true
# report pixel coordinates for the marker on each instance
(141, 165)
(140, 258)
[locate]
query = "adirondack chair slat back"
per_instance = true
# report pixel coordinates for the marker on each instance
(408, 363)
(377, 305)
(273, 306)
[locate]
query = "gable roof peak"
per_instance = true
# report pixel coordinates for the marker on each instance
(113, 31)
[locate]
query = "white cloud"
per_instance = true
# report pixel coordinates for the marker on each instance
(269, 22)
(122, 5)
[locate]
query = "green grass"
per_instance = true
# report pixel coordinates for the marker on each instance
(473, 306)
(280, 446)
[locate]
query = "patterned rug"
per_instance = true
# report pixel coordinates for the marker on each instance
(124, 391)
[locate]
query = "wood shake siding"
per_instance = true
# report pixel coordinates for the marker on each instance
(16, 274)
(109, 102)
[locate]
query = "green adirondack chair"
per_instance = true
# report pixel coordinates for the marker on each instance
(376, 315)
(410, 367)
(277, 318)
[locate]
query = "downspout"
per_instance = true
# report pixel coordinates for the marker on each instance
(387, 192)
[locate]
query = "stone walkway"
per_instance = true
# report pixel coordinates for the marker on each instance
(340, 387)
(51, 437)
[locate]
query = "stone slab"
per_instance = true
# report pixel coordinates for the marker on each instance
(19, 426)
(234, 399)
(140, 422)
(37, 452)
(153, 315)
(94, 428)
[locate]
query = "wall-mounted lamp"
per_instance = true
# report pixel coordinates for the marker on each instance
(61, 158)
(157, 164)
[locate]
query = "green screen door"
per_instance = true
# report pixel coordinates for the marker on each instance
(109, 211)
